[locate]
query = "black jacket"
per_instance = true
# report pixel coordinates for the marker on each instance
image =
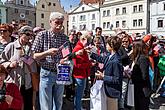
(140, 75)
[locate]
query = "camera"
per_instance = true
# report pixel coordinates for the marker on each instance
(2, 93)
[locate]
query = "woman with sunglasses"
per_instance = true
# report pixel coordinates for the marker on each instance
(14, 58)
(124, 52)
(5, 35)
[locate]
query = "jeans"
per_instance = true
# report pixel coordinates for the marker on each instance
(80, 86)
(51, 94)
(124, 91)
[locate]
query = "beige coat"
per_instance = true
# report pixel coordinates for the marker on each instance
(20, 75)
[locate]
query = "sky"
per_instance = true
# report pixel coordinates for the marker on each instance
(65, 3)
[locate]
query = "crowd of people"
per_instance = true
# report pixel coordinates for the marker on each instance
(29, 58)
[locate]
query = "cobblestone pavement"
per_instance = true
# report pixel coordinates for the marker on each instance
(68, 105)
(158, 104)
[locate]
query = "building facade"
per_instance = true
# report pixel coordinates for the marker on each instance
(157, 17)
(43, 10)
(128, 15)
(2, 13)
(85, 17)
(20, 11)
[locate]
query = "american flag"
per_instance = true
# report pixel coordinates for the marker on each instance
(65, 49)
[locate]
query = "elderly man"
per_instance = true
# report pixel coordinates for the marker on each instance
(46, 50)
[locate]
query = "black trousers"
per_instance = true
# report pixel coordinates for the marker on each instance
(27, 98)
(141, 102)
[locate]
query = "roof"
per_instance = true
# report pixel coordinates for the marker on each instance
(92, 1)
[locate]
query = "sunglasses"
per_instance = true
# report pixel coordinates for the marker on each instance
(3, 31)
(28, 34)
(124, 41)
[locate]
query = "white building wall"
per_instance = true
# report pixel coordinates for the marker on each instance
(88, 12)
(128, 17)
(157, 13)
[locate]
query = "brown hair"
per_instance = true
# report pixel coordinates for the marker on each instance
(3, 70)
(96, 39)
(7, 27)
(114, 42)
(127, 37)
(139, 48)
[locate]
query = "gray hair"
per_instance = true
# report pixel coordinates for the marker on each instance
(25, 29)
(56, 15)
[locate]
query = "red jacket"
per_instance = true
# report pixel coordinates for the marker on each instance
(13, 90)
(82, 63)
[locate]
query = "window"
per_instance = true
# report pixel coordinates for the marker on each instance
(93, 17)
(73, 19)
(83, 27)
(134, 9)
(108, 12)
(117, 11)
(117, 23)
(83, 8)
(93, 26)
(140, 22)
(22, 21)
(124, 10)
(104, 25)
(30, 23)
(49, 3)
(123, 24)
(134, 23)
(73, 27)
(108, 25)
(16, 10)
(111, 26)
(54, 4)
(42, 25)
(43, 6)
(27, 12)
(160, 23)
(42, 15)
(21, 2)
(82, 18)
(140, 8)
(104, 13)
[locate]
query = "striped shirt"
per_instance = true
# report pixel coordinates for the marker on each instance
(2, 47)
(46, 40)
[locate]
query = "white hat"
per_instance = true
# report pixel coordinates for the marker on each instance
(56, 15)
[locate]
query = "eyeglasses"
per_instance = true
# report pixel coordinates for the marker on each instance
(58, 22)
(1, 31)
(28, 34)
(97, 42)
(124, 41)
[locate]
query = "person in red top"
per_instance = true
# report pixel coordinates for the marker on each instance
(81, 69)
(10, 96)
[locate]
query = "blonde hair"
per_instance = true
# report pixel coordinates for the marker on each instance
(86, 36)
